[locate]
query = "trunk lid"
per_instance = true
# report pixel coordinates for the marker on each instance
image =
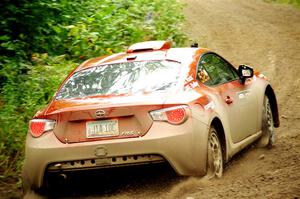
(91, 119)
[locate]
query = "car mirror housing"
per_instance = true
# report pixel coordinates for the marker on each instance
(245, 72)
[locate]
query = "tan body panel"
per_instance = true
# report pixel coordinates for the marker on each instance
(232, 147)
(176, 144)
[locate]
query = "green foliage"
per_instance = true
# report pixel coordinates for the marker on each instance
(86, 28)
(42, 40)
(293, 2)
(118, 24)
(22, 95)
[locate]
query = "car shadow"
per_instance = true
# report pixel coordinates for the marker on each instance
(153, 179)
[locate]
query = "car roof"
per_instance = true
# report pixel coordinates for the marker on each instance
(146, 51)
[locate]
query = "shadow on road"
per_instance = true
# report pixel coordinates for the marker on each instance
(138, 180)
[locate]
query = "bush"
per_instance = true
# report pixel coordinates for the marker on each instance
(23, 95)
(121, 23)
(293, 2)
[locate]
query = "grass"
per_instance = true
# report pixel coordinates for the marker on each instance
(295, 3)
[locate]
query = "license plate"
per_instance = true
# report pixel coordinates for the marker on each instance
(103, 128)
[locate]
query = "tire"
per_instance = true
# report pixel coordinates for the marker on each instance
(214, 155)
(267, 138)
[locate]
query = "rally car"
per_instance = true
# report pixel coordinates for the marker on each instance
(188, 107)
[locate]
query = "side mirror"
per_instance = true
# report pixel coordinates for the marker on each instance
(245, 72)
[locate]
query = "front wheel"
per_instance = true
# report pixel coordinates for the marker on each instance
(267, 138)
(214, 155)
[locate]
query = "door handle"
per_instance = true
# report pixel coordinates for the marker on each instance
(228, 100)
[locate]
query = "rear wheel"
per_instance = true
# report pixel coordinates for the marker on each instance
(214, 155)
(267, 138)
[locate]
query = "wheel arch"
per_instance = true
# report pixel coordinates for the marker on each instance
(273, 102)
(217, 124)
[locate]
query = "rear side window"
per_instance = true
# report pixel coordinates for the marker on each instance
(214, 70)
(122, 78)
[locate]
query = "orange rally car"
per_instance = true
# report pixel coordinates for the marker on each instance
(153, 103)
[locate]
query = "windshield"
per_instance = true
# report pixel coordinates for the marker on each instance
(122, 78)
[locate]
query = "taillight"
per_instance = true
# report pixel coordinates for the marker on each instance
(39, 126)
(173, 115)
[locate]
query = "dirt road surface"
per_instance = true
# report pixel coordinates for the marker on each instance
(267, 37)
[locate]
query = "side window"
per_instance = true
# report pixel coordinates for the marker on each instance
(214, 70)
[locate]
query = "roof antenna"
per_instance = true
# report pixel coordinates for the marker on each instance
(195, 45)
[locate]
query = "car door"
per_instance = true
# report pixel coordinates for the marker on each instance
(236, 99)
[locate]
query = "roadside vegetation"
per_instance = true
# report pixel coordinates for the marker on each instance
(42, 40)
(295, 3)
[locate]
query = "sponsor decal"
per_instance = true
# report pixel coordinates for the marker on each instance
(243, 94)
(130, 133)
(210, 105)
(189, 79)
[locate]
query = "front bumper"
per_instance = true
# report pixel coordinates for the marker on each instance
(183, 146)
